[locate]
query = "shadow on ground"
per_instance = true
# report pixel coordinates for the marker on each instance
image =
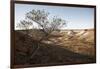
(46, 54)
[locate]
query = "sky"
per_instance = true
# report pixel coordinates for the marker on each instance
(75, 17)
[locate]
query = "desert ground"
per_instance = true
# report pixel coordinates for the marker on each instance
(72, 46)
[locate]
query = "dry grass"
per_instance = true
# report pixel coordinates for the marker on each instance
(79, 43)
(59, 48)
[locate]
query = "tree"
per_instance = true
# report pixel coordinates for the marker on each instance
(25, 25)
(46, 24)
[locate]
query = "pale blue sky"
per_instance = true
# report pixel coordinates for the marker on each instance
(77, 18)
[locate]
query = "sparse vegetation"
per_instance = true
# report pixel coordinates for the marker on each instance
(49, 44)
(57, 50)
